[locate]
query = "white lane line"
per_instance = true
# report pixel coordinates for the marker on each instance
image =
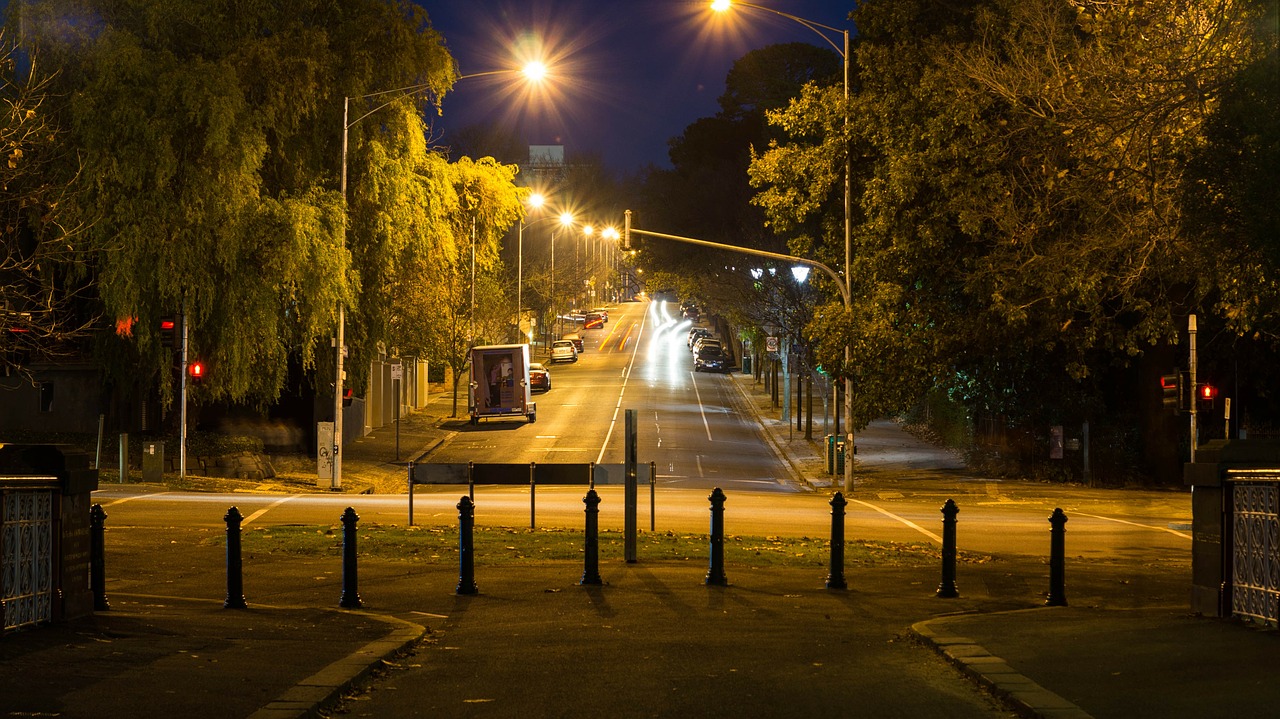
(904, 520)
(1135, 524)
(122, 500)
(701, 410)
(626, 376)
(268, 508)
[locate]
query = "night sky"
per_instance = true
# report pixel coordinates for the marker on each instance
(627, 74)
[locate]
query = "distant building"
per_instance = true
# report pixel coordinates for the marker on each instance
(546, 165)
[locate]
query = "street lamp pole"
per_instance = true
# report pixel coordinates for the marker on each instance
(846, 287)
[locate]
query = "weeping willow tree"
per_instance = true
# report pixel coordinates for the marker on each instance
(210, 137)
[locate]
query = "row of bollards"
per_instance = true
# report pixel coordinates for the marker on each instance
(716, 576)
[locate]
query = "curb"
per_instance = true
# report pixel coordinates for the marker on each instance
(324, 689)
(1019, 693)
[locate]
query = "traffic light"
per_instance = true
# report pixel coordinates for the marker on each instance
(1207, 393)
(196, 371)
(1171, 390)
(347, 395)
(169, 330)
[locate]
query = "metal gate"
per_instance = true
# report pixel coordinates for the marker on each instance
(26, 556)
(1255, 545)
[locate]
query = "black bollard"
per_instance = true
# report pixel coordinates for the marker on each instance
(235, 568)
(835, 578)
(1057, 559)
(947, 589)
(97, 558)
(591, 557)
(466, 547)
(350, 581)
(715, 575)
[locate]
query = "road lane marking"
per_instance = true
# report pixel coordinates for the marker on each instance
(122, 500)
(701, 410)
(1135, 524)
(904, 520)
(268, 508)
(625, 378)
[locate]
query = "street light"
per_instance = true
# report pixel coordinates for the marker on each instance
(847, 287)
(533, 71)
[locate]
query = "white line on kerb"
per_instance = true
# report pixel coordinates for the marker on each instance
(1135, 524)
(268, 508)
(122, 500)
(904, 520)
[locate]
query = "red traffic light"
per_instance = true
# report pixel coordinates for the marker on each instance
(1207, 391)
(196, 370)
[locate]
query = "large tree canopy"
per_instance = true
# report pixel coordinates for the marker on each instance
(211, 136)
(1019, 168)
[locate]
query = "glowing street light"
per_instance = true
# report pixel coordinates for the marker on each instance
(847, 286)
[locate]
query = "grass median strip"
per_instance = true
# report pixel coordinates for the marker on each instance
(502, 545)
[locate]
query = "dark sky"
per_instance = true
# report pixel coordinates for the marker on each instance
(627, 74)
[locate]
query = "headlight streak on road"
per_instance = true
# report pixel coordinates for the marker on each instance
(626, 375)
(702, 411)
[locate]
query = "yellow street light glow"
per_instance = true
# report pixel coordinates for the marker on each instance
(720, 5)
(535, 70)
(537, 200)
(588, 230)
(566, 218)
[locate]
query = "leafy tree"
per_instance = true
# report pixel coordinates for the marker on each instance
(442, 310)
(1018, 169)
(210, 135)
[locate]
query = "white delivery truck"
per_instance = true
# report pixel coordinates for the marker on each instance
(500, 383)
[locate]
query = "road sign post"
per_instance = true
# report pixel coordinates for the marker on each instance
(630, 490)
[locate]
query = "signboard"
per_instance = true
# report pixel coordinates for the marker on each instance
(770, 344)
(397, 372)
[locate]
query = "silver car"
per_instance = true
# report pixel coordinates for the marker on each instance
(563, 351)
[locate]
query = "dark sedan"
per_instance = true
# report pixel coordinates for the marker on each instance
(711, 359)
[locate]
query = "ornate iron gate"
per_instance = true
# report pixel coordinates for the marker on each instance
(26, 556)
(1255, 545)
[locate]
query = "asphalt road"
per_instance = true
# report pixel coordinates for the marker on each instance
(689, 424)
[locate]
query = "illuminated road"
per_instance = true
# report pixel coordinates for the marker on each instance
(692, 426)
(996, 518)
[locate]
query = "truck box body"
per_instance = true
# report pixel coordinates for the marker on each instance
(500, 382)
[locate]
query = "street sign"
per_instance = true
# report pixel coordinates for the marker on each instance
(397, 371)
(770, 344)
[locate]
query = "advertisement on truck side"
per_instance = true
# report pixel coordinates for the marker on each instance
(500, 382)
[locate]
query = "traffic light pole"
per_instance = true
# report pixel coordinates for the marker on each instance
(1195, 395)
(182, 378)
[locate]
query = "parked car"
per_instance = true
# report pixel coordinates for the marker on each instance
(711, 359)
(576, 339)
(704, 343)
(539, 377)
(563, 351)
(696, 334)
